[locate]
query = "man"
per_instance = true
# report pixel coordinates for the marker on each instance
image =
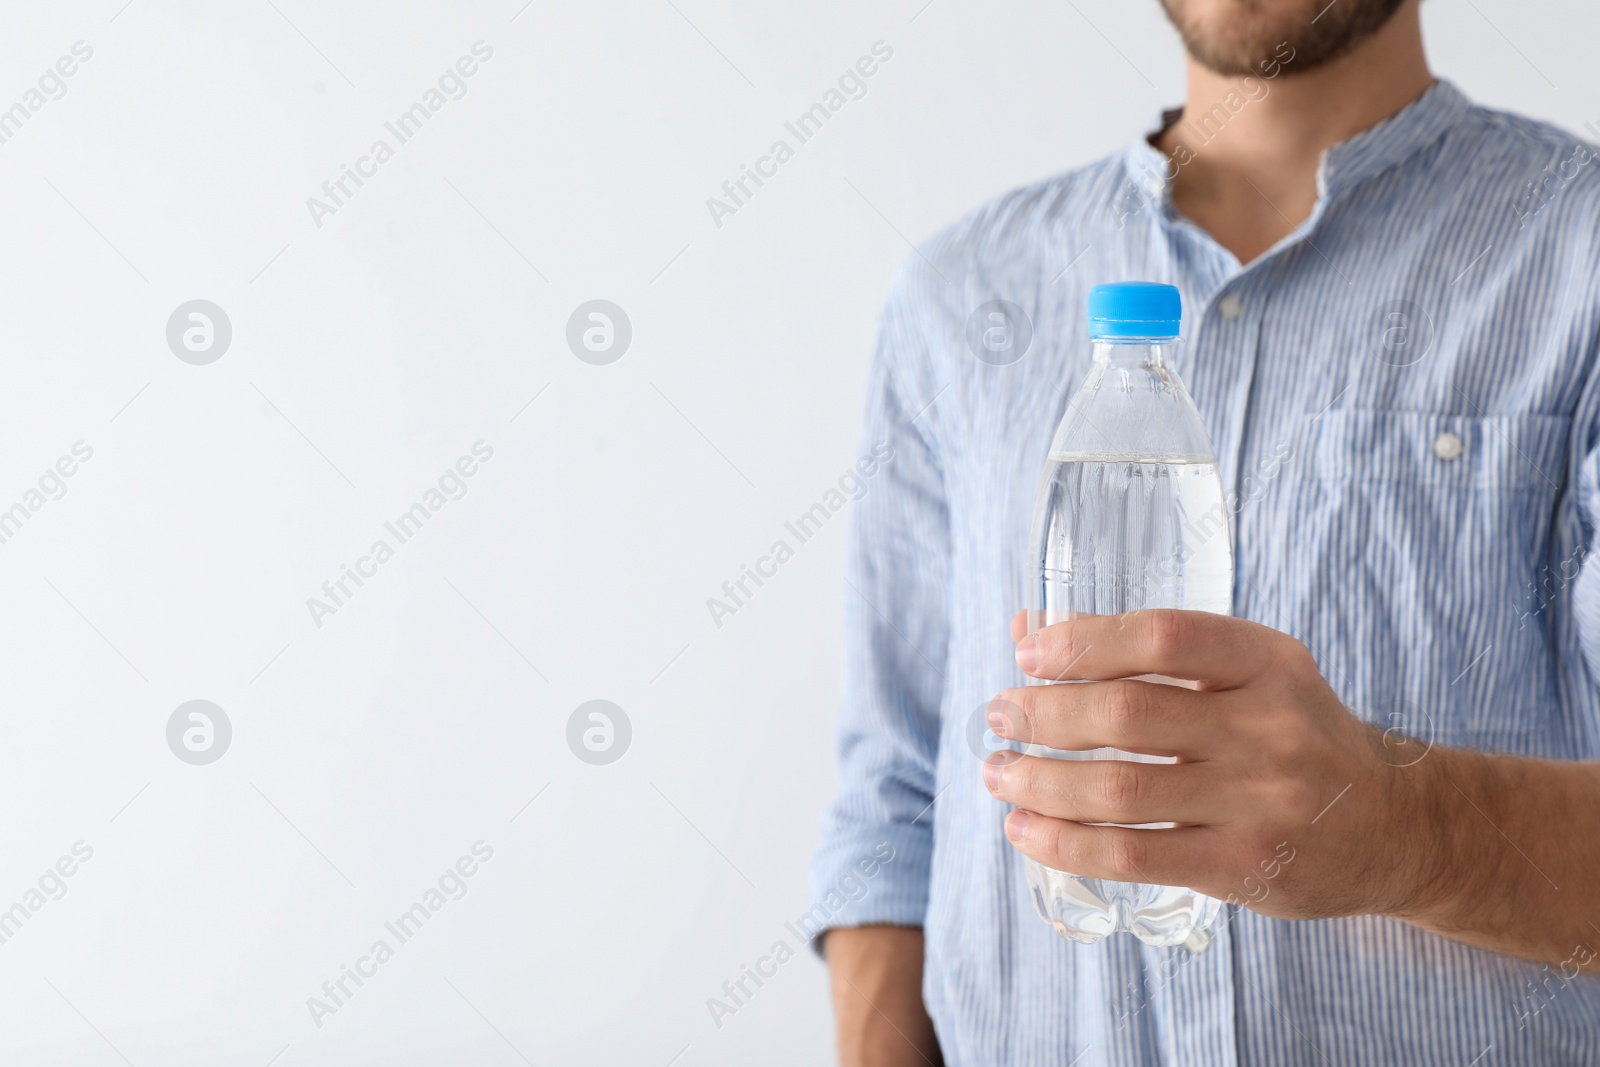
(1391, 321)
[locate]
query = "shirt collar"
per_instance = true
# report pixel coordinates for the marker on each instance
(1394, 140)
(1344, 165)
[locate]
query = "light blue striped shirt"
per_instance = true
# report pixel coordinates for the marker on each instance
(1416, 496)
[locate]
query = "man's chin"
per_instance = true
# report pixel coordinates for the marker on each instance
(1236, 38)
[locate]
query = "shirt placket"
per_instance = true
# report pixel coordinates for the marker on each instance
(1194, 995)
(1195, 1000)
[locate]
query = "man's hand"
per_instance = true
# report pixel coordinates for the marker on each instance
(877, 997)
(1284, 800)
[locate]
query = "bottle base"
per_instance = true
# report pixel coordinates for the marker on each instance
(1086, 910)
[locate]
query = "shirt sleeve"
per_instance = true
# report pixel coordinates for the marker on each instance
(873, 865)
(1577, 569)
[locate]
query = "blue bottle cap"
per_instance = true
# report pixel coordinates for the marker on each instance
(1134, 309)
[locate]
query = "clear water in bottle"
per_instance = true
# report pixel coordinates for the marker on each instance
(1130, 514)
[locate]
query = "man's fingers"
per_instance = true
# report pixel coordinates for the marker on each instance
(1218, 651)
(1133, 715)
(1115, 853)
(1019, 626)
(1109, 790)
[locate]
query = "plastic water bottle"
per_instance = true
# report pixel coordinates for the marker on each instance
(1130, 515)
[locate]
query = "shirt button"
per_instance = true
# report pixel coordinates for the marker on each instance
(1447, 446)
(1231, 307)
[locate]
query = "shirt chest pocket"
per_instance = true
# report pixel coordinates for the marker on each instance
(1412, 546)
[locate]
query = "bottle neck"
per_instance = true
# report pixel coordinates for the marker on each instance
(1135, 352)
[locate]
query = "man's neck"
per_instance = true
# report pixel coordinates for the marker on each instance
(1247, 174)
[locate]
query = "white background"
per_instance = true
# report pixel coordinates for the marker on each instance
(367, 355)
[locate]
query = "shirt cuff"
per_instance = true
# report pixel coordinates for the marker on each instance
(868, 875)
